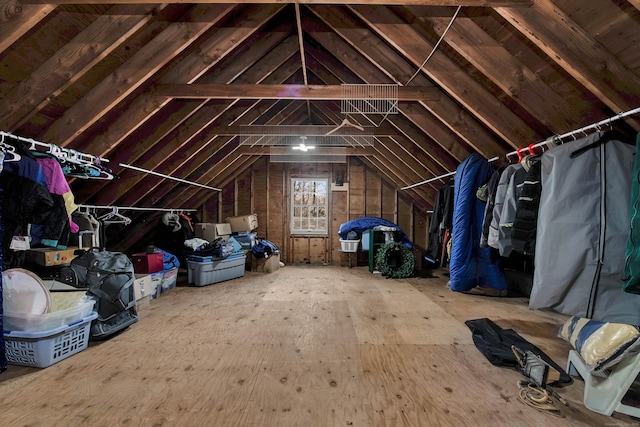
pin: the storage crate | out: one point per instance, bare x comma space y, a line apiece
42, 349
349, 245
25, 322
169, 280
214, 271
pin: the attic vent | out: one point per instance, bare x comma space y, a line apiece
369, 99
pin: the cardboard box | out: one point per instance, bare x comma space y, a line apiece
50, 256
243, 223
210, 231
144, 263
144, 286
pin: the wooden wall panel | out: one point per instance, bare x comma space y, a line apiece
228, 201
405, 216
356, 189
366, 194
420, 236
299, 250
338, 215
209, 212
373, 184
317, 250
259, 195
277, 210
389, 203
243, 193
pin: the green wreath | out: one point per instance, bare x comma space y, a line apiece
395, 260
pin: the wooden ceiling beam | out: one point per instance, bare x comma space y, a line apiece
472, 3
579, 54
266, 150
261, 91
507, 72
17, 19
133, 73
69, 64
309, 130
191, 144
173, 132
203, 152
363, 43
211, 52
448, 75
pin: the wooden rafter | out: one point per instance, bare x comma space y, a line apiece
69, 64
262, 91
449, 75
475, 3
565, 42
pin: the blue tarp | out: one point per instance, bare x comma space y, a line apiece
367, 222
470, 265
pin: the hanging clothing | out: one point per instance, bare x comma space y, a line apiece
632, 253
56, 229
582, 228
493, 237
508, 212
3, 353
523, 235
492, 187
26, 201
470, 265
441, 221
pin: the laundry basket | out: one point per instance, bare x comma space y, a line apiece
42, 349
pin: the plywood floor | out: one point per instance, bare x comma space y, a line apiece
303, 346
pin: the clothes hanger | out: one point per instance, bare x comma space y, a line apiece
10, 150
345, 122
114, 217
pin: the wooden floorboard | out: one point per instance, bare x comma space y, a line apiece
303, 346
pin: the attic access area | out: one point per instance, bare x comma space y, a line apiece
298, 210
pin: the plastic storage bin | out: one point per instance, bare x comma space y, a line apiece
169, 280
45, 322
210, 271
42, 349
349, 245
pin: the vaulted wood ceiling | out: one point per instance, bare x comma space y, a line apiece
165, 86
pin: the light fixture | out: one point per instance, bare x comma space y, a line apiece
303, 146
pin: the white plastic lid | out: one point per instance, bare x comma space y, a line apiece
24, 292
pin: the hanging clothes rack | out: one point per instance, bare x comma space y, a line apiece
134, 208
529, 148
440, 177
184, 181
65, 154
597, 125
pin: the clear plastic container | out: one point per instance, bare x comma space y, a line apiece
44, 322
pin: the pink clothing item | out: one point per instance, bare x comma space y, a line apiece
56, 181
73, 226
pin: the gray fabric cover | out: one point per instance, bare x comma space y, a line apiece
576, 231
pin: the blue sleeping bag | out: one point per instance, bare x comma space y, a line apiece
470, 265
367, 222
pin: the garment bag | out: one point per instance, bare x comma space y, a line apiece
583, 221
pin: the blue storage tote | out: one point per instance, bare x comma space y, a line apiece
210, 271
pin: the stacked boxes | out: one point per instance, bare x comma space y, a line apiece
243, 223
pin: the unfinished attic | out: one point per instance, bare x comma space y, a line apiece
318, 213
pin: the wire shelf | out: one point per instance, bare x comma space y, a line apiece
369, 99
